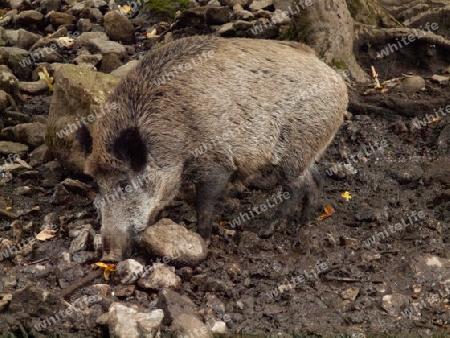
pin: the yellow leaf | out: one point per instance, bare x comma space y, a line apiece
46, 77
46, 234
346, 195
125, 9
223, 223
434, 120
328, 211
108, 269
8, 208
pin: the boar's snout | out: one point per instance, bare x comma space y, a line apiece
114, 243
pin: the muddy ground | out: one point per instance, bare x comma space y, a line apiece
357, 288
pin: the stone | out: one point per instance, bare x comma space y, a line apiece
411, 84
46, 54
110, 62
129, 271
180, 245
128, 322
6, 100
26, 39
124, 69
394, 303
261, 4
442, 80
18, 62
186, 325
174, 305
160, 276
60, 18
77, 93
33, 20
83, 240
217, 15
50, 5
33, 88
84, 25
32, 134
98, 42
9, 83
119, 28
7, 147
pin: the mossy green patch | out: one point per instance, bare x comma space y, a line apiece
166, 8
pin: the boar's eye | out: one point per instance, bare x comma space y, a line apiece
130, 147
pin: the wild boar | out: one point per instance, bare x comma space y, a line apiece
206, 110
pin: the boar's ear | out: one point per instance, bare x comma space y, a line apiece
85, 140
130, 147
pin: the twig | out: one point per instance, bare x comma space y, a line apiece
79, 283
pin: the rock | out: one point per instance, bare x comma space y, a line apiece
124, 290
87, 60
394, 303
7, 147
33, 20
124, 69
186, 325
93, 14
26, 39
3, 37
84, 25
281, 17
128, 322
180, 245
237, 2
219, 326
175, 305
282, 5
50, 5
60, 195
76, 187
6, 100
411, 84
83, 239
17, 62
9, 83
408, 174
160, 276
77, 92
60, 18
39, 156
119, 28
12, 37
17, 4
262, 30
242, 14
36, 300
442, 80
46, 54
350, 293
129, 271
261, 4
217, 15
438, 171
430, 268
227, 29
33, 88
32, 134
110, 62
98, 42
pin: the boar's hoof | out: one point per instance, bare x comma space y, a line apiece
274, 224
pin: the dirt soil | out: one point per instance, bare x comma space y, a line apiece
345, 284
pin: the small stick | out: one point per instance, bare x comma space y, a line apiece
78, 284
8, 214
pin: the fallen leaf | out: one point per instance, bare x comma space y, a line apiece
66, 41
125, 9
46, 77
45, 235
108, 269
434, 120
23, 163
328, 211
8, 208
152, 34
223, 223
346, 195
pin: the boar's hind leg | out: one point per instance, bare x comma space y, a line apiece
209, 188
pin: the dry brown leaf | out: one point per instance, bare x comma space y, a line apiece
328, 211
45, 235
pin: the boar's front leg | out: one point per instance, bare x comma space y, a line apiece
209, 187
